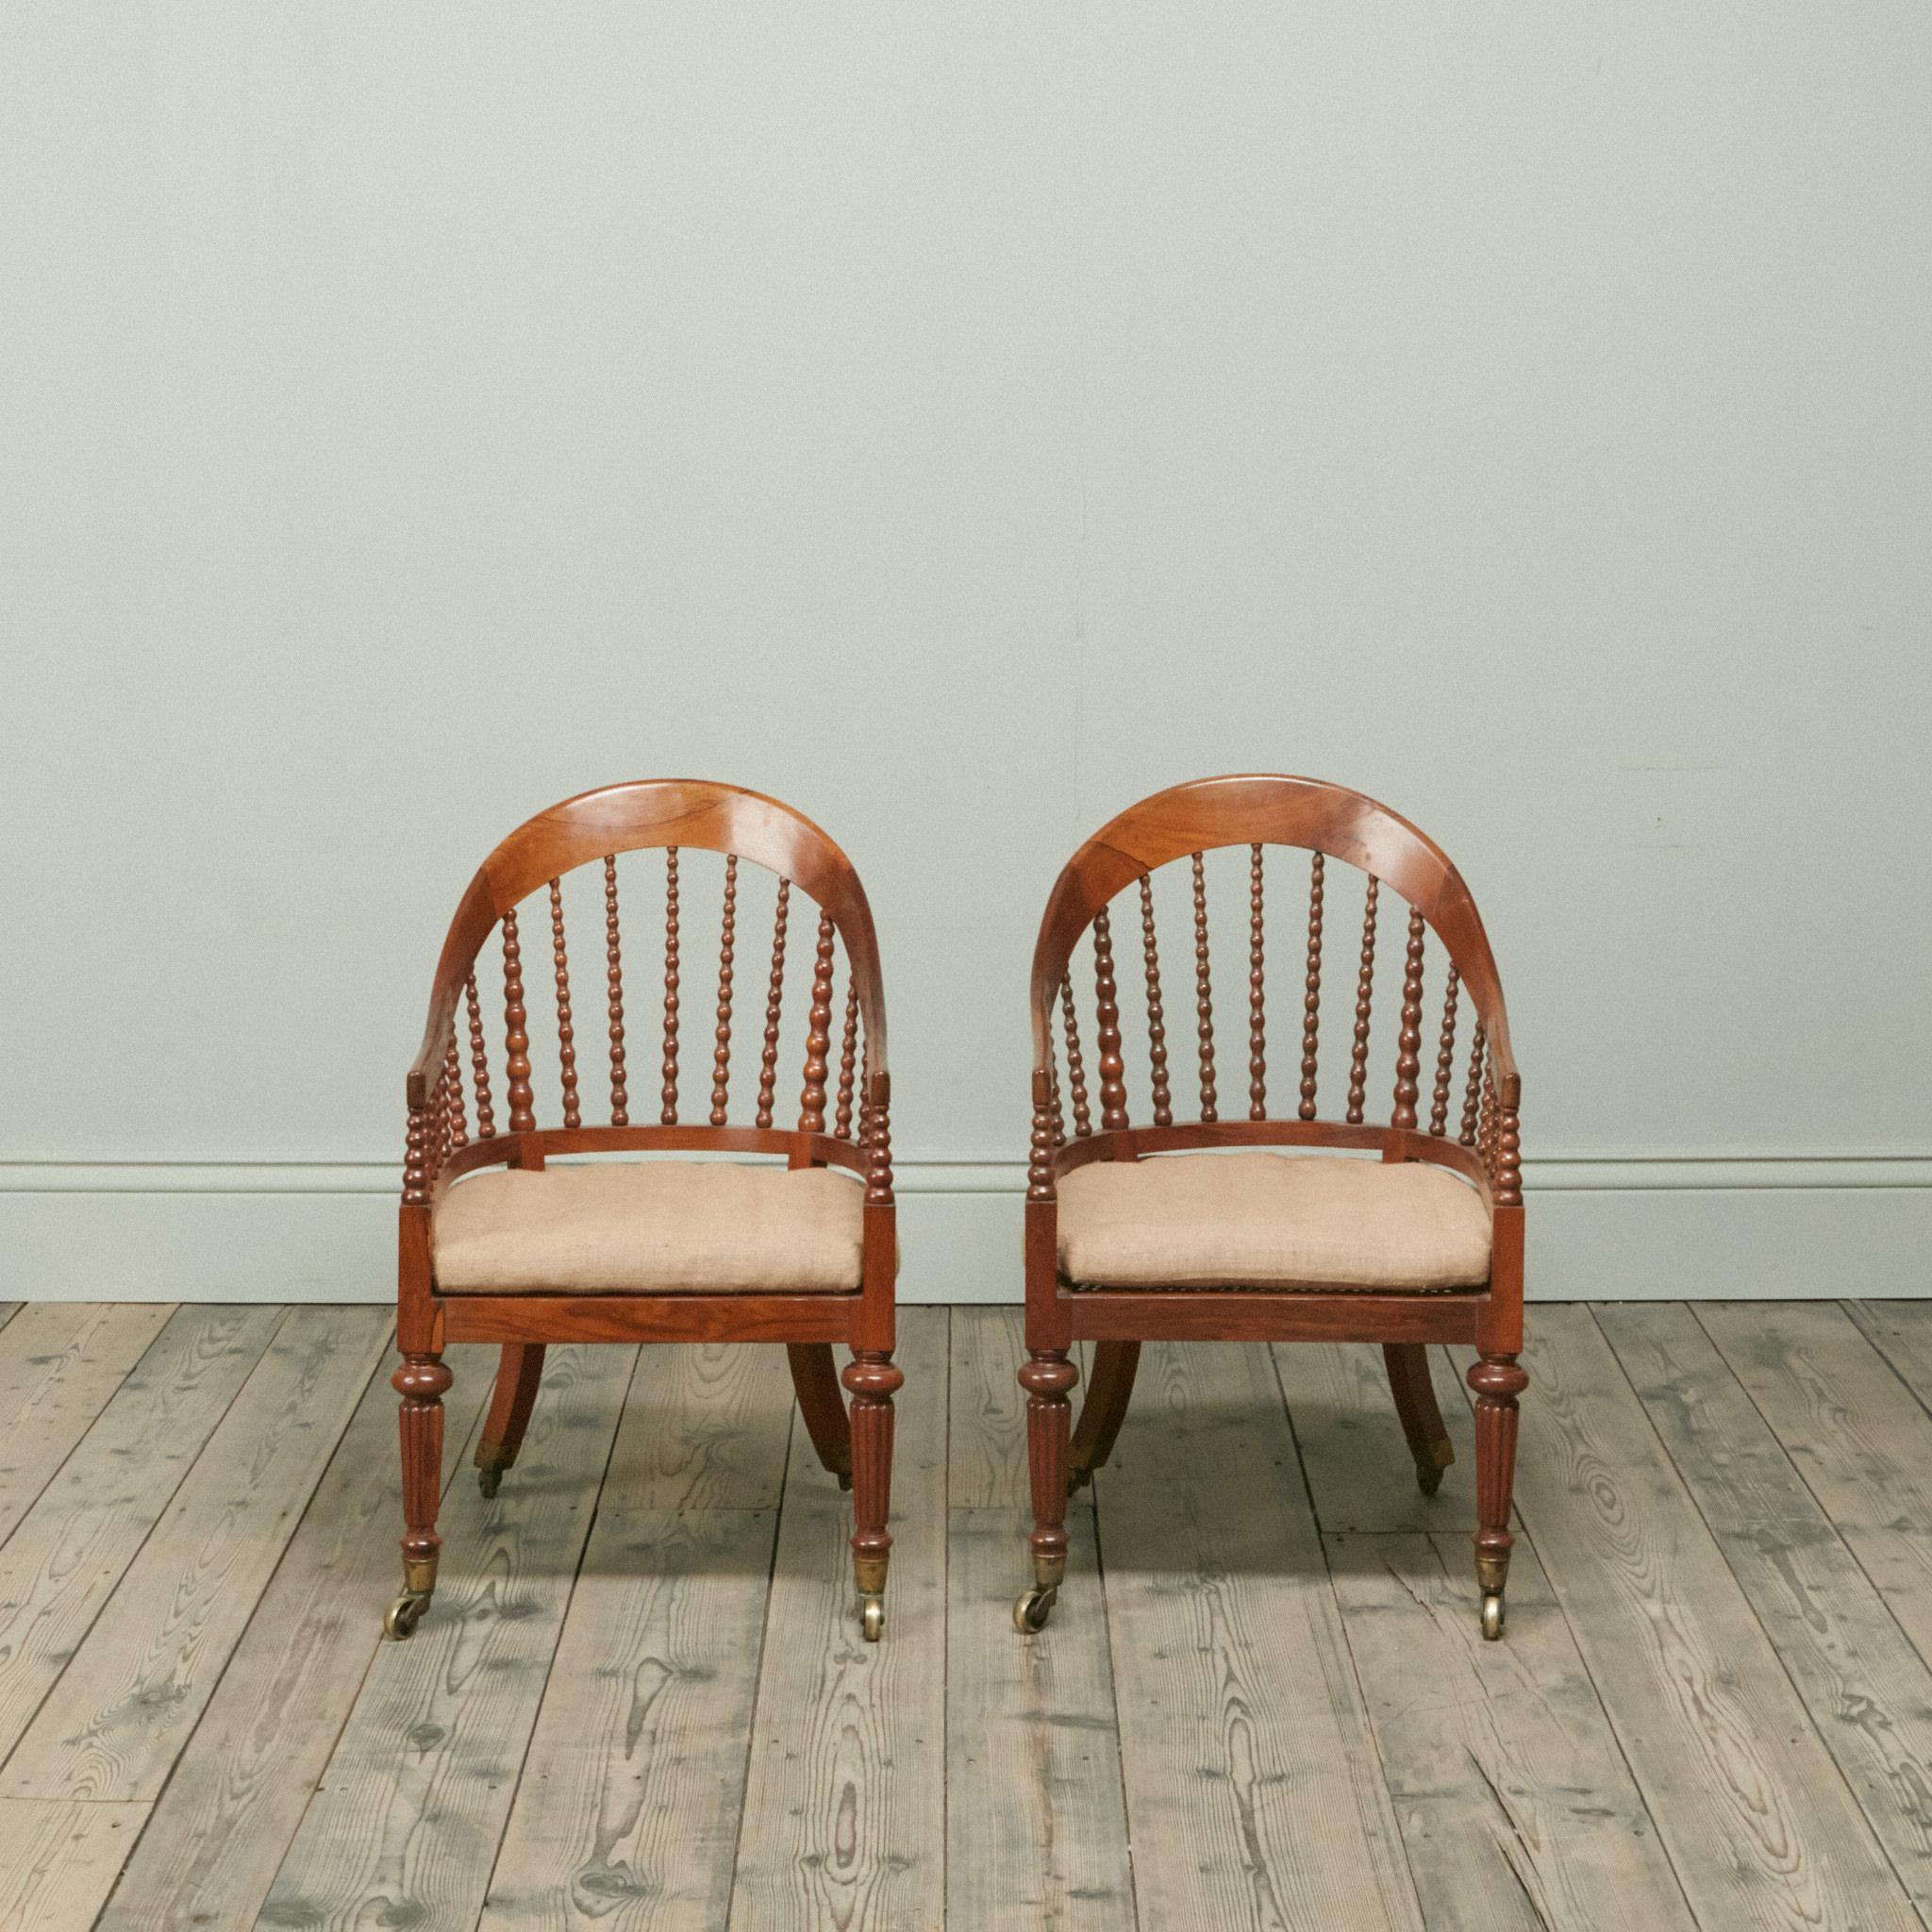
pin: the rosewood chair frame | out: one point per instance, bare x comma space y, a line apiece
667, 814
1331, 822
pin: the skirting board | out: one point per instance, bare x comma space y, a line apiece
1603, 1229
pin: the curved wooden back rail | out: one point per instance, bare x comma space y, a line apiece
1329, 822
679, 818
1410, 891
595, 829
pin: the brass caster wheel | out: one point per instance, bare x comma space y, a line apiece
1078, 1481
1492, 1615
1428, 1478
1033, 1608
872, 1619
400, 1620
490, 1480
844, 1479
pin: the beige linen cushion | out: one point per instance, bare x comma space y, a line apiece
1271, 1220
650, 1227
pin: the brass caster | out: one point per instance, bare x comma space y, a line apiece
1492, 1615
1033, 1608
844, 1479
872, 1619
400, 1620
1428, 1478
1077, 1480
490, 1480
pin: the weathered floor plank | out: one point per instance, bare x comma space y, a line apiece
211, 1848
57, 1858
1901, 1333
1514, 1800
705, 1428
1867, 1690
626, 1815
1758, 1824
844, 1815
74, 1545
1858, 1435
405, 1829
986, 1442
1361, 1473
1035, 1817
121, 1715
1255, 1796
59, 1364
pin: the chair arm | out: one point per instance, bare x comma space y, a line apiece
426, 1069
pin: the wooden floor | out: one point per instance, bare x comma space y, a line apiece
641, 1701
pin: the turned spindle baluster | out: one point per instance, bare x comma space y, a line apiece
1409, 1043
416, 1158
439, 1122
1508, 1170
1040, 1146
1364, 997
1076, 1070
619, 1098
1445, 1059
818, 1039
566, 1037
774, 1006
1257, 1024
459, 1127
848, 1056
1203, 996
516, 1044
480, 1063
667, 1113
1471, 1098
1157, 1025
721, 1057
1113, 1090
1486, 1121
1311, 999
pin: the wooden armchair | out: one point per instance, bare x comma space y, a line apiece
499, 1245
1421, 1246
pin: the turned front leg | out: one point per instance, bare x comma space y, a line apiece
421, 1381
1046, 1375
872, 1379
1497, 1380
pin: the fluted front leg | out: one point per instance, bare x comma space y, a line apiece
871, 1380
1497, 1381
421, 1382
1047, 1376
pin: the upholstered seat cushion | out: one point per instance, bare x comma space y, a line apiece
644, 1228
1277, 1221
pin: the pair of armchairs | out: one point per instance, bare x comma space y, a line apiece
1177, 1228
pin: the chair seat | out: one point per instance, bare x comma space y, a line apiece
1271, 1220
651, 1227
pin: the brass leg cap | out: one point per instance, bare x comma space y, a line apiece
1033, 1608
873, 1618
490, 1480
401, 1618
1493, 1616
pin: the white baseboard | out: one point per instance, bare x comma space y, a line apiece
1619, 1227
